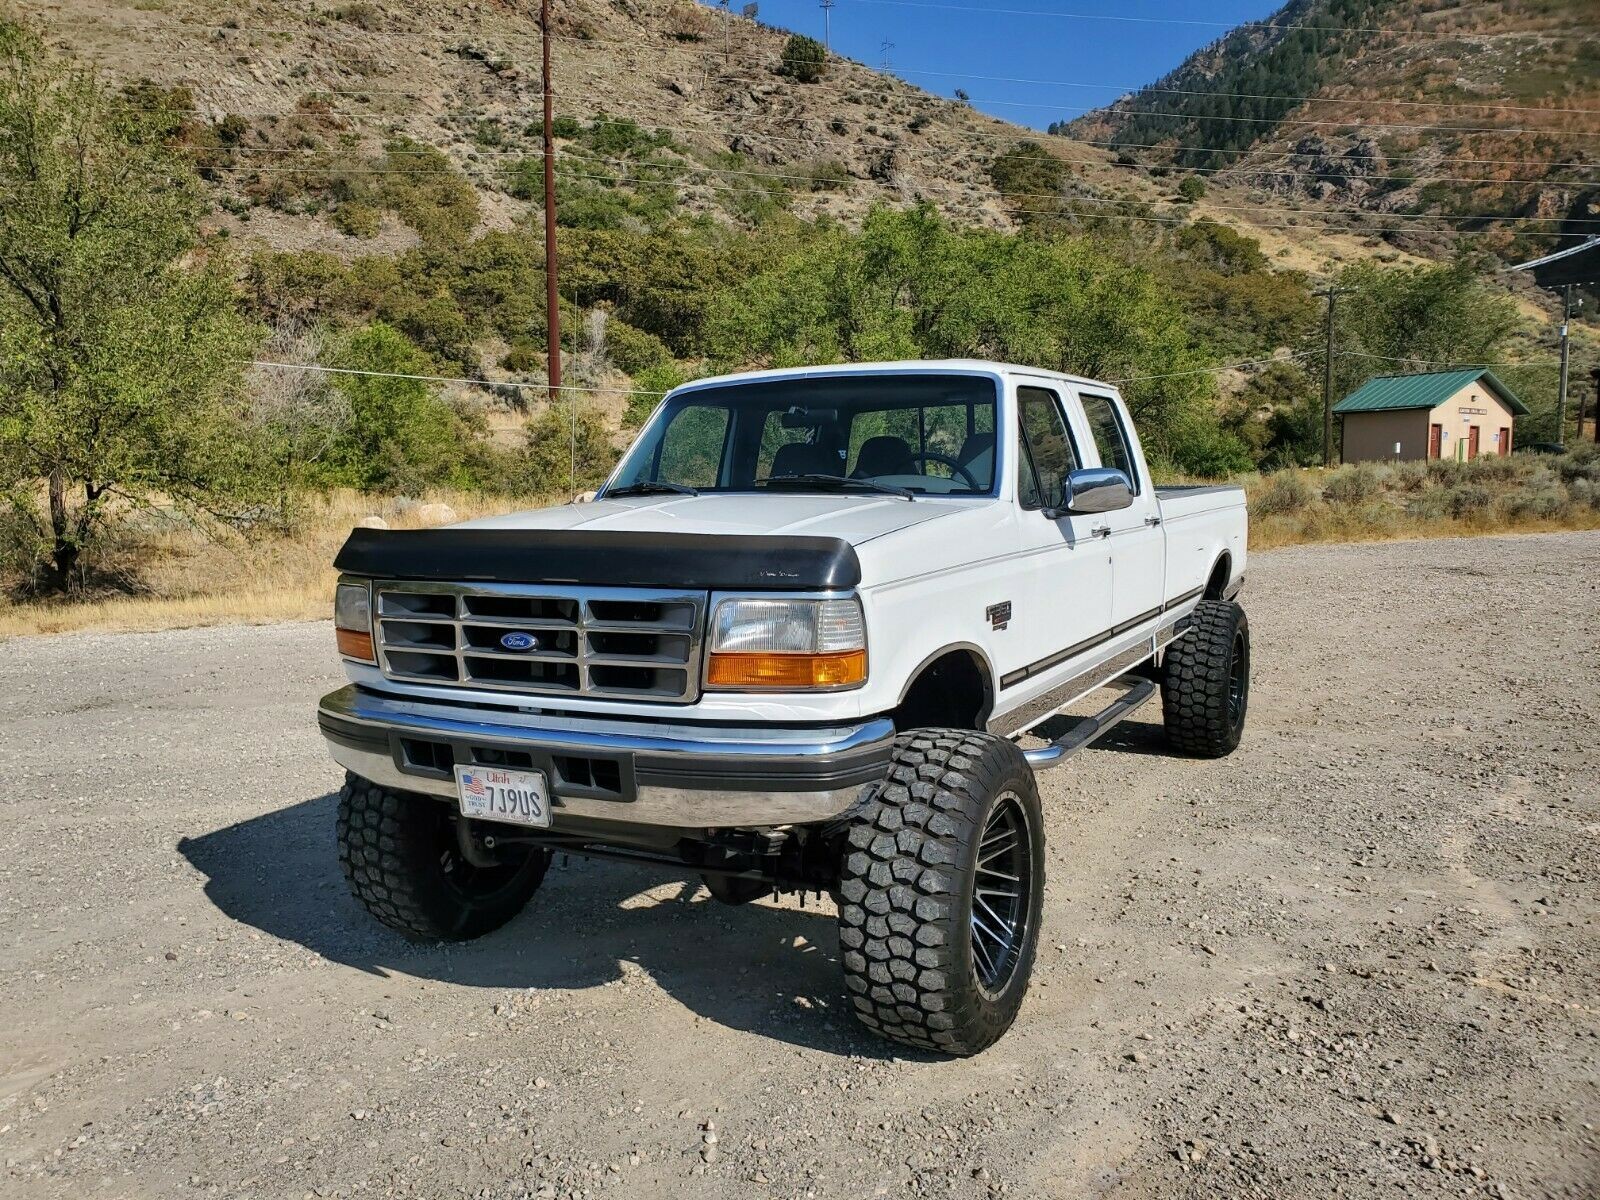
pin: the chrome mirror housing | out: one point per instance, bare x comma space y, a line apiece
1096, 490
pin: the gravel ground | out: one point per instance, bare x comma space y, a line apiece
1359, 956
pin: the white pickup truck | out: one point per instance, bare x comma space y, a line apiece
797, 643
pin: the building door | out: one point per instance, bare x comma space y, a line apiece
1472, 443
1505, 440
1435, 438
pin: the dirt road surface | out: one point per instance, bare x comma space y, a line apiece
1359, 957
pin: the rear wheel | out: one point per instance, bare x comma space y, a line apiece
941, 890
403, 860
1205, 681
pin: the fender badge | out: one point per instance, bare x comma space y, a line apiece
999, 614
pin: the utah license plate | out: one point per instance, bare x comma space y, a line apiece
495, 794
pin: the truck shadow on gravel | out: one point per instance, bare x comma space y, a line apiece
765, 970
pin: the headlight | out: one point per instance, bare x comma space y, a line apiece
352, 620
787, 644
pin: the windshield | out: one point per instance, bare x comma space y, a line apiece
924, 434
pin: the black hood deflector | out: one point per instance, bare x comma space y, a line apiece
610, 558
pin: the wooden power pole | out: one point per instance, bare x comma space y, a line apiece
552, 296
1332, 293
1566, 352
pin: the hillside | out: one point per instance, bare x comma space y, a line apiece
1416, 109
298, 106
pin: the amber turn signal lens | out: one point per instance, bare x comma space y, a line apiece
787, 670
355, 644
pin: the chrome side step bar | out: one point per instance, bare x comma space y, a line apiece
1089, 729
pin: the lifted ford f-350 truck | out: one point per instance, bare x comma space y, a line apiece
792, 645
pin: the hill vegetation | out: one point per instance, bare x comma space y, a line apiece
386, 259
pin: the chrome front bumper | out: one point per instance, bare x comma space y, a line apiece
634, 772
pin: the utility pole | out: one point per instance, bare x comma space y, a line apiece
1566, 350
1594, 374
827, 25
888, 63
552, 295
1332, 293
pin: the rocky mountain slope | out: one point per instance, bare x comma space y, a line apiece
308, 114
1414, 108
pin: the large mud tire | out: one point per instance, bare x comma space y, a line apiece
1205, 681
921, 880
403, 862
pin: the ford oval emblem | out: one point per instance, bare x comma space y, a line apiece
517, 640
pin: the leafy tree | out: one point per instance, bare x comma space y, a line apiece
1192, 188
804, 58
1406, 319
401, 436
119, 337
911, 286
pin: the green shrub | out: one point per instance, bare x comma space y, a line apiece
361, 14
550, 458
358, 220
1466, 500
652, 384
523, 357
1409, 476
804, 58
1283, 492
633, 350
1429, 506
1352, 485
1027, 174
1535, 504
829, 175
1192, 188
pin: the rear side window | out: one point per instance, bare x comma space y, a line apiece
1105, 426
1047, 457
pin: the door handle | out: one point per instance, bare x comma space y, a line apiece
1103, 531
1152, 520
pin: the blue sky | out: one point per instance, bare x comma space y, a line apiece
971, 37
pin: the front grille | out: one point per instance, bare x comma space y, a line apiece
620, 643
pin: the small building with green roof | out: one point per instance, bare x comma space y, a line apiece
1435, 414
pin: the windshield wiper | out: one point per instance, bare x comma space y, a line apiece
653, 487
838, 481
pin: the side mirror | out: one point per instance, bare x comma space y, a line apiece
1095, 490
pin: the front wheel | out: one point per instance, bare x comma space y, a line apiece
941, 890
1205, 681
403, 861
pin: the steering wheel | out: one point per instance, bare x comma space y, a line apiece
955, 467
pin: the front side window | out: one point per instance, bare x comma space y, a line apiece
1048, 457
929, 435
1105, 426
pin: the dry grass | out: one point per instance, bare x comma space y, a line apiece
1405, 501
188, 579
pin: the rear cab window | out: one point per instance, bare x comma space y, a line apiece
1111, 439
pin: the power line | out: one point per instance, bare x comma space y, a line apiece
1135, 112
1143, 89
1230, 25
